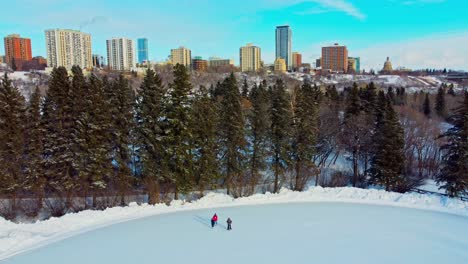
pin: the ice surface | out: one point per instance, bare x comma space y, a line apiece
184, 230
285, 233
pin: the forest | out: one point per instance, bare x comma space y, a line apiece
90, 142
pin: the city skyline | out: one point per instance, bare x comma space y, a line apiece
414, 34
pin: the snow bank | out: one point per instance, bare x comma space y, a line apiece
17, 238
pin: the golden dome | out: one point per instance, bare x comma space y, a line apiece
387, 66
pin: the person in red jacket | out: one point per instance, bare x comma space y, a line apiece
214, 220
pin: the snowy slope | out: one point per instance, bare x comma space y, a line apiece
17, 238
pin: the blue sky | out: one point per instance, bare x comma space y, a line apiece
413, 33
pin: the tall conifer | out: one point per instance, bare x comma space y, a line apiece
232, 134
12, 113
305, 133
281, 131
150, 113
388, 162
440, 108
58, 144
453, 176
178, 134
205, 144
34, 147
259, 131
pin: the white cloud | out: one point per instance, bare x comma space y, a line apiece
339, 5
313, 11
435, 51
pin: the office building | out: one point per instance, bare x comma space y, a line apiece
142, 44
67, 48
216, 62
199, 64
351, 65
280, 65
250, 58
354, 64
17, 51
284, 45
98, 61
120, 54
335, 58
36, 63
318, 63
296, 60
358, 64
181, 56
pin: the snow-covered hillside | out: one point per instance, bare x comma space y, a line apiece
301, 226
26, 82
413, 84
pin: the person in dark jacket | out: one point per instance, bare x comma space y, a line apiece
229, 222
214, 220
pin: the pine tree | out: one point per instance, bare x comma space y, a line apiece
219, 91
12, 113
388, 161
95, 139
150, 113
205, 142
353, 130
305, 133
453, 176
369, 98
232, 134
400, 96
332, 93
178, 135
440, 108
120, 103
427, 106
281, 132
353, 107
58, 152
380, 109
259, 127
34, 147
379, 119
451, 91
391, 95
77, 97
245, 89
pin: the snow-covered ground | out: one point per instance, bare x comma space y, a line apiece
431, 186
302, 226
411, 83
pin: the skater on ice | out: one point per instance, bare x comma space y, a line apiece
229, 221
214, 220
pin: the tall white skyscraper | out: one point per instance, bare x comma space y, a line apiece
120, 54
250, 58
284, 44
67, 47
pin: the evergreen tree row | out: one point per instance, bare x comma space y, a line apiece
94, 137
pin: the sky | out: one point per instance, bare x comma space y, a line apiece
413, 33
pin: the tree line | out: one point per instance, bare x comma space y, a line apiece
94, 137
